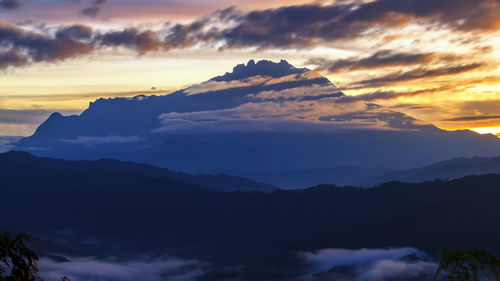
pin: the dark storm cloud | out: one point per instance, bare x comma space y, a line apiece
200, 30
141, 41
28, 46
9, 4
91, 11
94, 9
474, 118
12, 58
178, 35
381, 59
419, 73
294, 26
77, 40
299, 26
185, 35
457, 14
306, 25
74, 32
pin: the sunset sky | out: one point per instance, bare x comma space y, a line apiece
435, 60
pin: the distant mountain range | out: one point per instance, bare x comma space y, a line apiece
258, 181
296, 179
262, 116
109, 172
121, 210
445, 170
5, 142
370, 177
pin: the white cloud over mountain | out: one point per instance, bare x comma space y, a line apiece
369, 264
307, 103
257, 110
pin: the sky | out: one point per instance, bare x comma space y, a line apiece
435, 60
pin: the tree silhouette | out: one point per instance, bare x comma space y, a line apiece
17, 261
467, 266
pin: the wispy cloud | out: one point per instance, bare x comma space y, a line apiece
309, 77
26, 46
473, 118
81, 269
315, 115
94, 8
380, 59
9, 4
299, 26
389, 95
328, 264
419, 73
369, 264
93, 140
307, 25
12, 58
386, 51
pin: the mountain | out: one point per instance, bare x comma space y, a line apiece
5, 142
262, 116
450, 169
370, 177
294, 179
81, 210
109, 171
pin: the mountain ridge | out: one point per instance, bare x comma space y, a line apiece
372, 177
443, 170
79, 214
131, 169
242, 118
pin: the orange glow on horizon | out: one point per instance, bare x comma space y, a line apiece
487, 130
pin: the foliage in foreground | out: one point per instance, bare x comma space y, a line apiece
17, 260
19, 263
467, 266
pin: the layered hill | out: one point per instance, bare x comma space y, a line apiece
104, 172
82, 210
340, 176
445, 170
262, 116
370, 177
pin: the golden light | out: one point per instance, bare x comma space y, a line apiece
487, 130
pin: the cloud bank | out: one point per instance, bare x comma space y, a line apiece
92, 140
369, 265
405, 264
84, 269
309, 104
300, 26
94, 8
9, 4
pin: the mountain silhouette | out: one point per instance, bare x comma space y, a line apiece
261, 117
445, 170
109, 171
114, 209
370, 177
296, 179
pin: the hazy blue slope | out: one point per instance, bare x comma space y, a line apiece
262, 116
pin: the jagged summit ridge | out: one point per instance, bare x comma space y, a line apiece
262, 115
255, 82
262, 67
